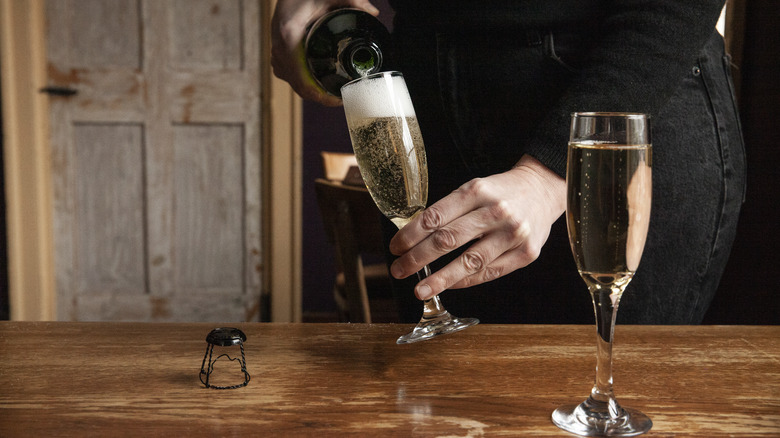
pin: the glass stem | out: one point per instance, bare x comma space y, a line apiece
432, 307
605, 304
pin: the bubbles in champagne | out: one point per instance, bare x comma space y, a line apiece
391, 157
387, 143
608, 206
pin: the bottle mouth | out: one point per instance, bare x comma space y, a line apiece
365, 58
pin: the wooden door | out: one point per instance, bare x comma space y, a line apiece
155, 158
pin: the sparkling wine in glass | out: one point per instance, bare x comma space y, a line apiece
609, 185
390, 153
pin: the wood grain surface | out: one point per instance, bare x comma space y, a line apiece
141, 379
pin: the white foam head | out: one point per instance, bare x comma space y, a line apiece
381, 95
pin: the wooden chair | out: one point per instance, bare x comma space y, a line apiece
335, 165
362, 291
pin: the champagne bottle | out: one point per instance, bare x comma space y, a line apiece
343, 45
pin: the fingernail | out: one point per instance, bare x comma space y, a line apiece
423, 292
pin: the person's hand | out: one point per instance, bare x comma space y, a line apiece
508, 214
288, 28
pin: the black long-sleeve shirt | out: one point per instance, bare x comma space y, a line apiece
638, 51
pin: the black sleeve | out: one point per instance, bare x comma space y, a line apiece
644, 48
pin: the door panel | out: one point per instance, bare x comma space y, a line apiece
206, 35
156, 158
109, 199
209, 188
103, 33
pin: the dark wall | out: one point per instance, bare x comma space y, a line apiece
325, 129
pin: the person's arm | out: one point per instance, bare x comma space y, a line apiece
288, 28
645, 48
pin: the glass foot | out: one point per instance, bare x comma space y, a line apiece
438, 325
592, 418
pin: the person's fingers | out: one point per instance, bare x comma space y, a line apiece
439, 234
507, 217
440, 242
458, 203
507, 262
509, 246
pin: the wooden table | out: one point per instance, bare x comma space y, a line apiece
139, 379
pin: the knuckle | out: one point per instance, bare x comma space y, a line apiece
532, 252
473, 187
473, 261
406, 265
444, 240
440, 282
288, 29
432, 218
500, 210
520, 231
401, 243
492, 272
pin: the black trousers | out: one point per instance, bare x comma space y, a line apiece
477, 99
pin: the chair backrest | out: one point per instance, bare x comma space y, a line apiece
352, 222
336, 164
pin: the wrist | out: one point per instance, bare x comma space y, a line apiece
551, 185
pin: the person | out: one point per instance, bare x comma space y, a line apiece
494, 85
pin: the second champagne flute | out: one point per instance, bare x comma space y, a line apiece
608, 197
390, 153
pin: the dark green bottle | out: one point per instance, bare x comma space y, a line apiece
343, 45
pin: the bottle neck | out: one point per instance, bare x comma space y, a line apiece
361, 58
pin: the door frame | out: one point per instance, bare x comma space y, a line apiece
28, 185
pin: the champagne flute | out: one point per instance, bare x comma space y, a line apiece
390, 153
609, 181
